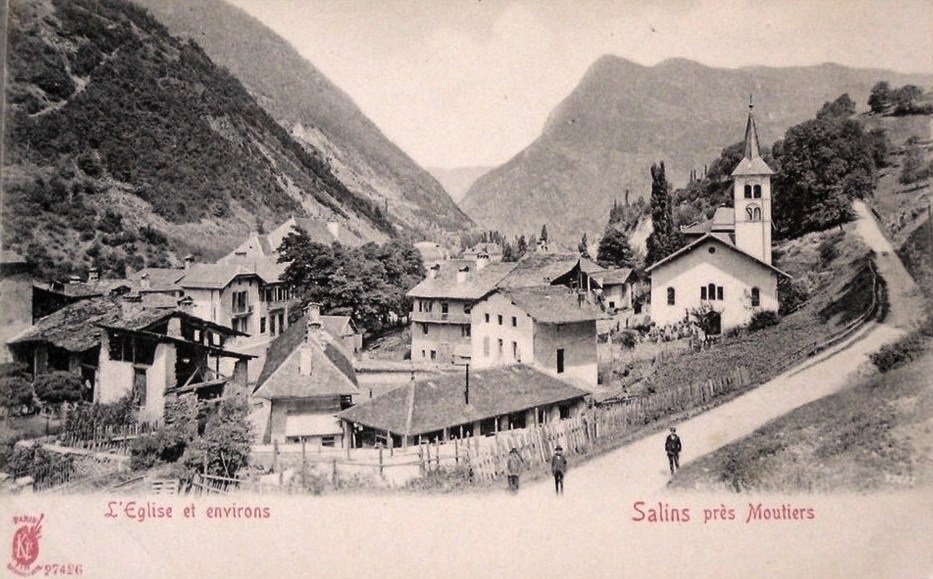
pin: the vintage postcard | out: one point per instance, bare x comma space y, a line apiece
357, 288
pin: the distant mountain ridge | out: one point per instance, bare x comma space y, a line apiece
622, 116
458, 180
316, 112
127, 147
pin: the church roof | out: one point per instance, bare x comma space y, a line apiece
752, 163
722, 239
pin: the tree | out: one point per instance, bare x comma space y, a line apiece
664, 238
584, 246
823, 164
224, 448
842, 107
508, 252
880, 96
543, 237
614, 249
522, 246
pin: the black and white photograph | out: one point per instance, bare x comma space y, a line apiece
461, 288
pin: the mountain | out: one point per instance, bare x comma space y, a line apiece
316, 112
622, 117
457, 181
126, 146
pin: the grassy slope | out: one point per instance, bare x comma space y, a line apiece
873, 436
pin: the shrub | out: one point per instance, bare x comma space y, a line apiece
57, 387
828, 250
791, 296
163, 446
762, 320
627, 338
224, 448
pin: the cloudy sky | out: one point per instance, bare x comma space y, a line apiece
462, 83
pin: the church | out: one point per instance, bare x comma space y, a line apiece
726, 269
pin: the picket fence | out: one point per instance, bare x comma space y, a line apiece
116, 439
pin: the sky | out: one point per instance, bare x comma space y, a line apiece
471, 82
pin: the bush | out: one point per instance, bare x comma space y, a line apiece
224, 448
828, 250
57, 387
163, 446
762, 320
627, 338
86, 417
791, 296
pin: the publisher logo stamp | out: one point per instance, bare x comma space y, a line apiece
25, 547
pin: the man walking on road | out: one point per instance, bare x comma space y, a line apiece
672, 447
558, 468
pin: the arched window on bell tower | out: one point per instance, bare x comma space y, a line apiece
757, 194
748, 191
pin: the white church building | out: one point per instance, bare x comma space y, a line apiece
728, 269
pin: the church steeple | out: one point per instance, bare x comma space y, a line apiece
752, 196
752, 149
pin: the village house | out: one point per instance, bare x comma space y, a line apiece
727, 270
344, 330
453, 406
15, 299
248, 297
550, 327
266, 245
306, 380
432, 253
118, 346
442, 302
492, 251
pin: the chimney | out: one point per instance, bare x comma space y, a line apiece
144, 281
93, 274
432, 271
481, 260
334, 228
189, 259
462, 274
313, 339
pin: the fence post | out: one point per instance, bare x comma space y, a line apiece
437, 455
381, 472
303, 454
457, 450
334, 474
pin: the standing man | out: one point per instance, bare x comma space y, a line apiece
558, 468
513, 468
672, 447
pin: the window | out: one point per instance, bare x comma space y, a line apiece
424, 354
499, 348
703, 292
328, 441
271, 325
500, 319
486, 317
464, 331
239, 325
560, 360
420, 305
445, 307
486, 346
515, 351
514, 321
753, 213
711, 291
424, 329
467, 309
670, 296
748, 191
281, 321
434, 354
240, 302
719, 293
756, 297
757, 194
262, 325
428, 305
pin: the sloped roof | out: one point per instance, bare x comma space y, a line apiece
590, 267
76, 327
9, 257
219, 275
723, 221
332, 372
553, 305
335, 325
613, 276
537, 269
160, 278
478, 282
430, 405
723, 240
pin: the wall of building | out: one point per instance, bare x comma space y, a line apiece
15, 309
114, 379
443, 339
159, 376
578, 342
521, 334
281, 409
735, 273
618, 296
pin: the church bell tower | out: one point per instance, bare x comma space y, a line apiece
752, 197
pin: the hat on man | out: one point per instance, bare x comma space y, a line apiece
558, 449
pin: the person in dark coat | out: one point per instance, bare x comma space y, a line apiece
672, 446
513, 465
558, 468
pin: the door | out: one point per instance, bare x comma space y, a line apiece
560, 360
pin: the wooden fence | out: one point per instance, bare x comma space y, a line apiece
601, 425
106, 438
